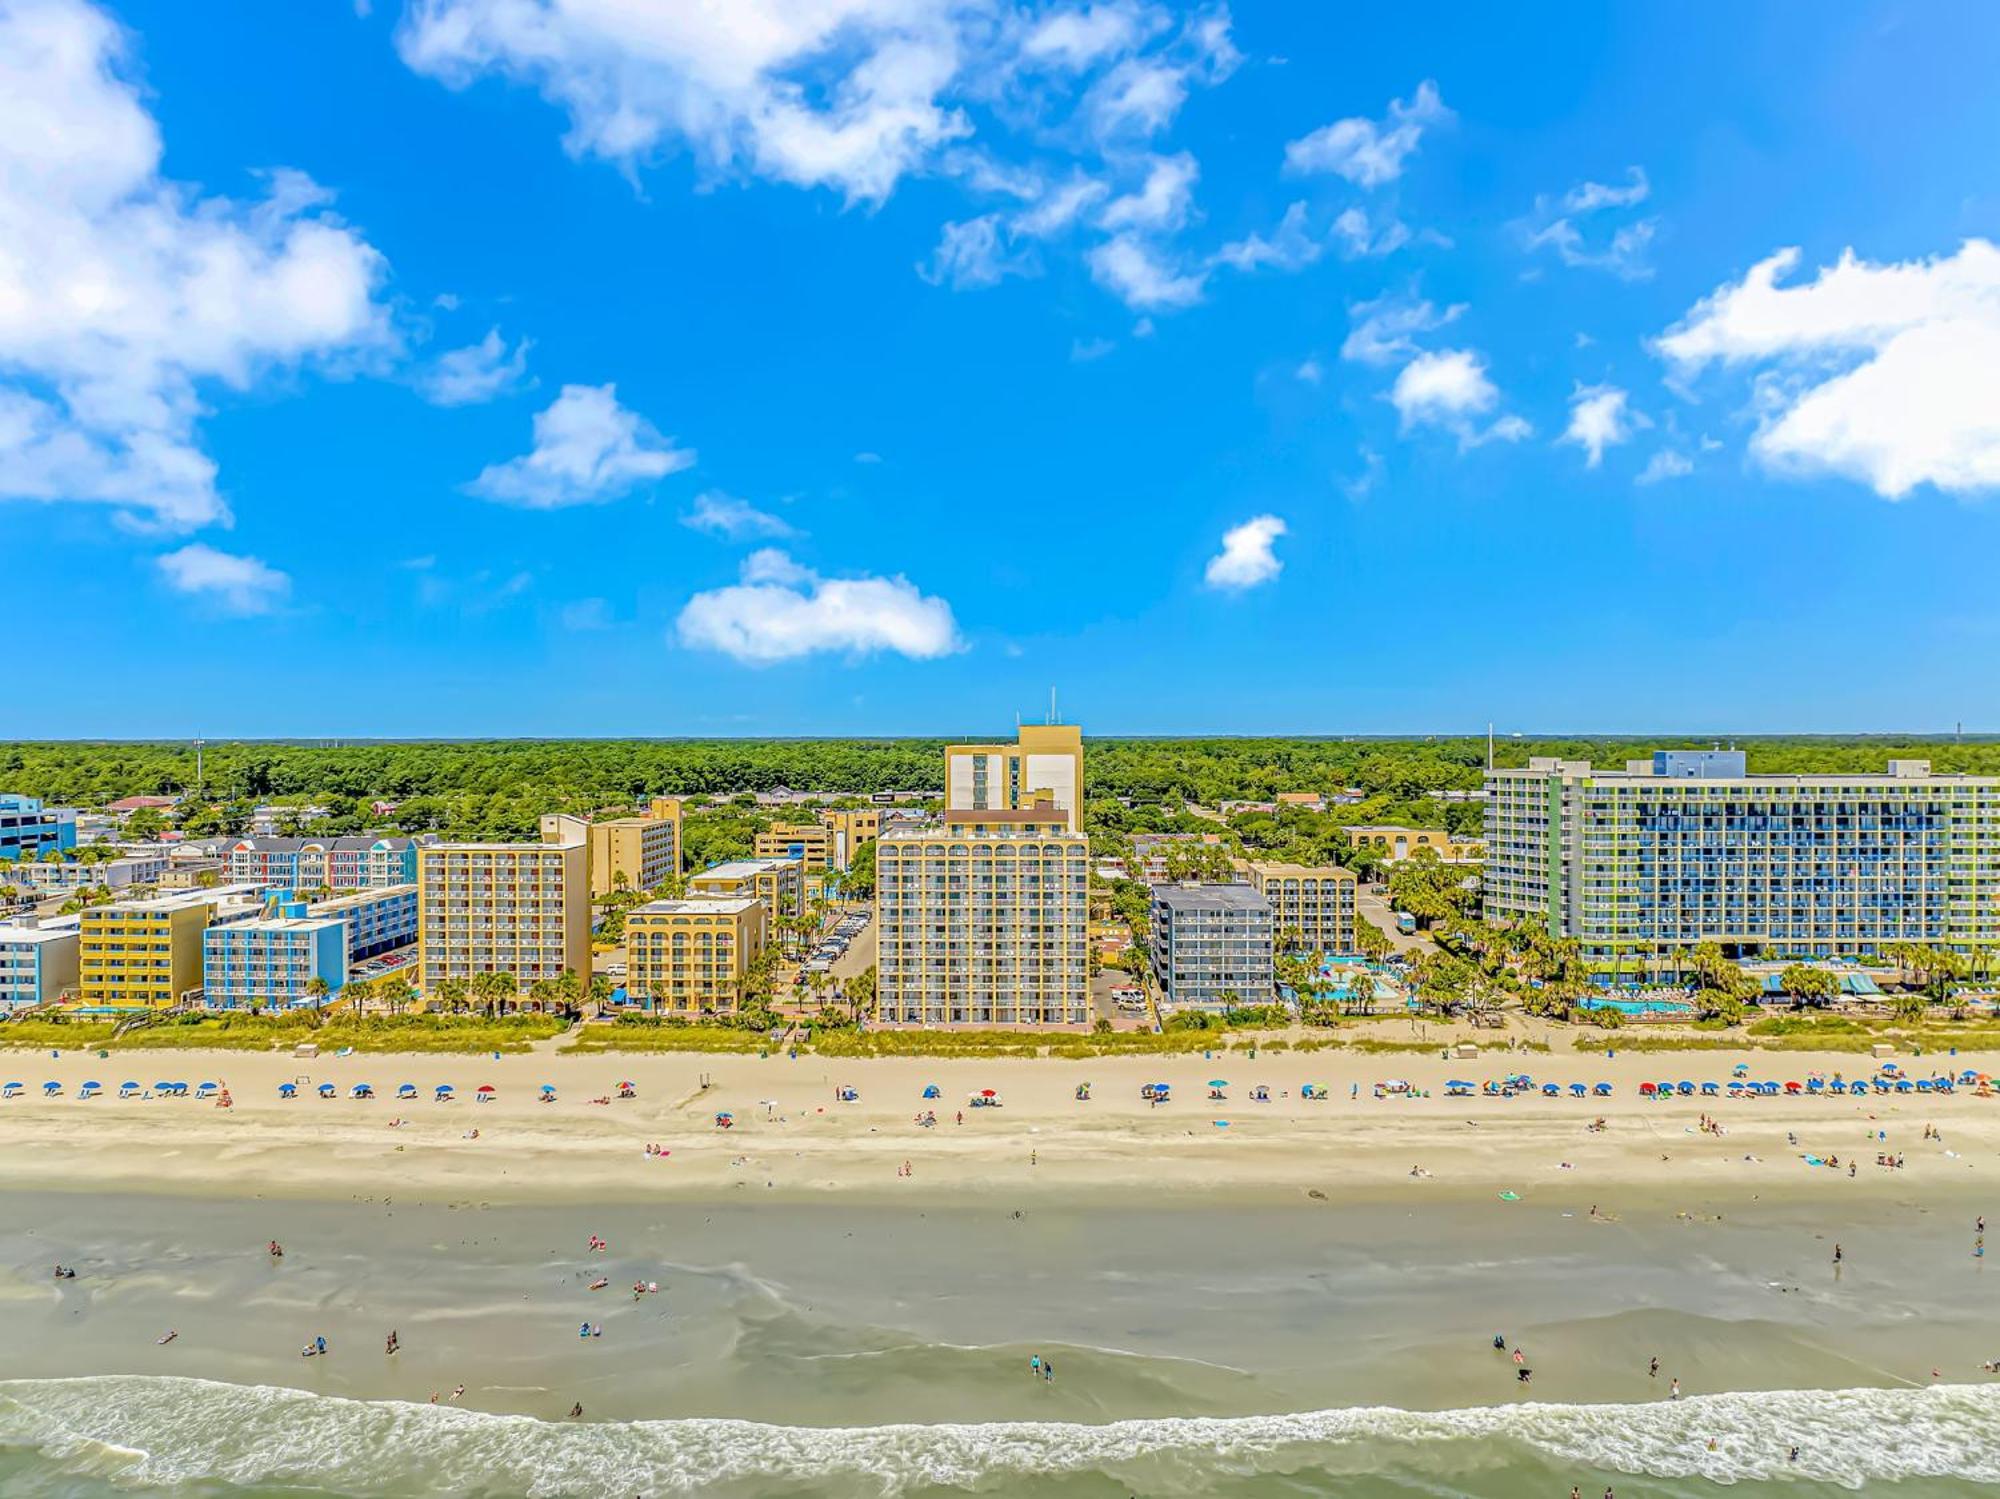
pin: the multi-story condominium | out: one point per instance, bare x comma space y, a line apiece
779, 883
1212, 945
378, 920
984, 920
1314, 901
810, 843
1006, 777
71, 876
142, 954
850, 829
1689, 847
28, 829
356, 863
37, 965
272, 961
193, 874
516, 908
690, 956
626, 853
1396, 844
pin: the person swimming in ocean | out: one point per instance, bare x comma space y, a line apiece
167, 1337
391, 1345
1499, 1342
576, 1411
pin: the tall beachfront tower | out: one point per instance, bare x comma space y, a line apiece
1644, 862
517, 908
1048, 758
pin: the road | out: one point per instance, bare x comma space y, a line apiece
1371, 903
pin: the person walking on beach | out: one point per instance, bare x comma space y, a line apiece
1048, 1371
391, 1345
1674, 1392
1034, 1365
1653, 1367
1836, 1254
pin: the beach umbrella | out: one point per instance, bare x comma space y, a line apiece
163, 1087
989, 1093
128, 1087
52, 1087
1218, 1082
487, 1088
288, 1090
326, 1090
1578, 1090
206, 1088
407, 1090
1742, 1069
11, 1087
628, 1085
88, 1086
549, 1087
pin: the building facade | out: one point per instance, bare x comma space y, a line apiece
271, 962
779, 883
1047, 758
357, 863
379, 920
808, 842
634, 853
984, 920
28, 829
1396, 844
1314, 901
38, 965
1212, 946
516, 908
1689, 847
848, 830
70, 876
141, 954
690, 957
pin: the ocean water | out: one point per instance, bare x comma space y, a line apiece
845, 1350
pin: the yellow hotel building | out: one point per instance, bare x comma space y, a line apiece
690, 956
808, 842
1006, 777
779, 883
141, 954
984, 920
1316, 901
850, 829
518, 908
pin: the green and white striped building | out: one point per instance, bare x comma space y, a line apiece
1689, 847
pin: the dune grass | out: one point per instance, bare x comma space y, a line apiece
448, 1034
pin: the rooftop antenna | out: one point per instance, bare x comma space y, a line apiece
1489, 744
199, 744
1052, 706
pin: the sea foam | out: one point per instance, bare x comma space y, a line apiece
161, 1431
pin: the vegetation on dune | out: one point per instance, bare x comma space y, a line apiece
245, 1032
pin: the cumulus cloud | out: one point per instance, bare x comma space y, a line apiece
588, 449
231, 584
122, 295
725, 515
1600, 417
1246, 558
1667, 463
478, 372
1079, 38
1359, 237
780, 611
1882, 373
1366, 152
1137, 272
1161, 202
1385, 330
1565, 226
1289, 248
1450, 389
1056, 208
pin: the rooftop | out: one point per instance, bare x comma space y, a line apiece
742, 869
1278, 867
716, 905
1210, 897
18, 934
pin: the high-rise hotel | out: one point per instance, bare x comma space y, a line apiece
983, 918
515, 908
1689, 847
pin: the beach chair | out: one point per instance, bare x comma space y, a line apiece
1710, 1090
407, 1090
1602, 1090
128, 1090
10, 1090
1551, 1090
1923, 1085
443, 1094
50, 1090
205, 1090
1836, 1086
1578, 1090
1686, 1090
327, 1090
288, 1090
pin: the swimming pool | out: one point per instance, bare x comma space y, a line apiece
1638, 1006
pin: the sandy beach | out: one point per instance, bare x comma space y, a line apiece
792, 1133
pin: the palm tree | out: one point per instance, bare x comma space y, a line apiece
317, 989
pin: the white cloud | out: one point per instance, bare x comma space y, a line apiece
1385, 330
1666, 464
123, 294
478, 372
1056, 208
780, 611
1359, 238
1309, 372
1553, 226
1364, 152
725, 515
1139, 97
1883, 373
1080, 38
1600, 417
1246, 558
233, 585
1290, 247
866, 457
1450, 389
1135, 271
971, 254
1084, 350
1358, 486
1161, 203
588, 449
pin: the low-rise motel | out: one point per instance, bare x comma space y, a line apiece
688, 957
779, 883
38, 964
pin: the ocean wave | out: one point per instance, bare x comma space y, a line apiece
162, 1431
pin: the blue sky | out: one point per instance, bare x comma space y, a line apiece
872, 366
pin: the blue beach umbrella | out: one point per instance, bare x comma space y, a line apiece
288, 1090
407, 1090
52, 1087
